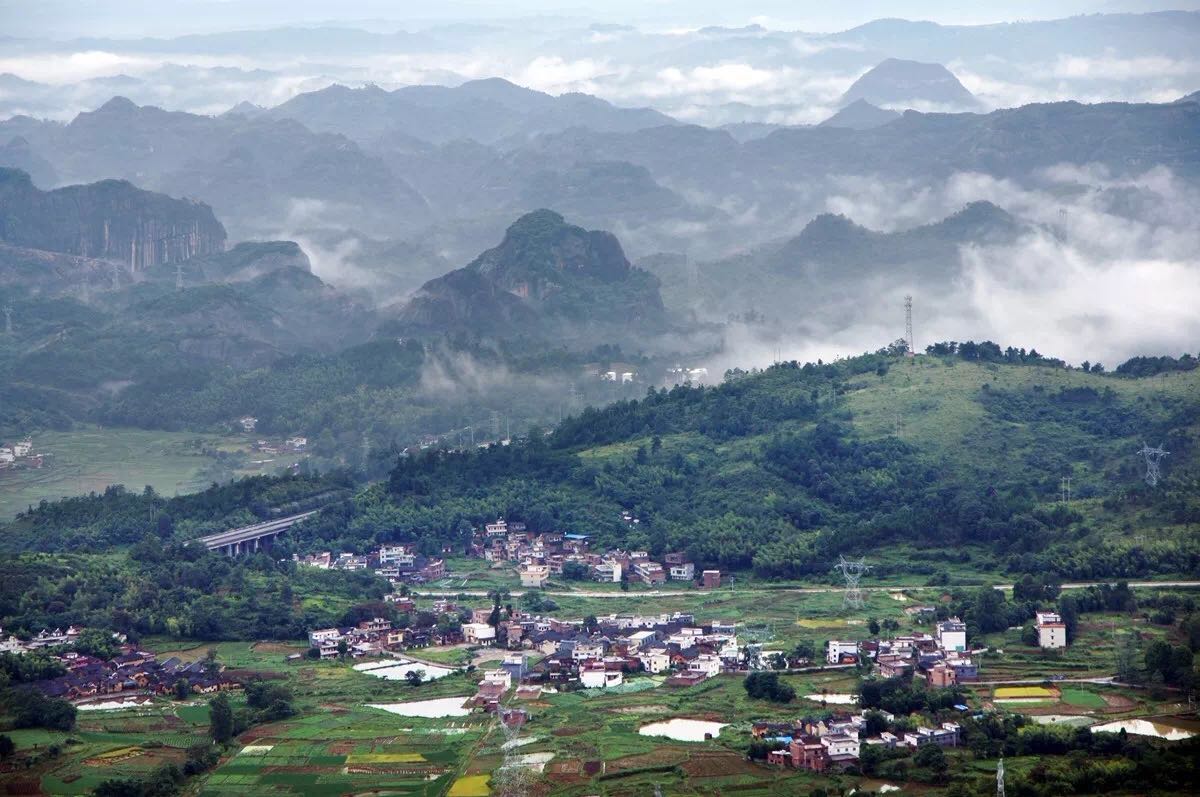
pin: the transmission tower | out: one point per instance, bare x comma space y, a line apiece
179, 276
1153, 456
495, 424
366, 450
1065, 490
853, 572
8, 319
514, 777
116, 276
1000, 778
908, 330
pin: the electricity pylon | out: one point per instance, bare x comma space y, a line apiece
1153, 456
853, 572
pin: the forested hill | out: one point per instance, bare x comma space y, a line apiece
954, 463
941, 466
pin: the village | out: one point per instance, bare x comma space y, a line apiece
539, 655
537, 558
130, 671
20, 455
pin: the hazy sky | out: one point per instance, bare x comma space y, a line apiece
67, 18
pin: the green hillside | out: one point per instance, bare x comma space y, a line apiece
928, 465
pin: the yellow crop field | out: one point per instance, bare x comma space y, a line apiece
384, 758
1043, 692
470, 786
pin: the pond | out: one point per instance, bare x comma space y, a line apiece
398, 669
1162, 730
837, 698
439, 707
1073, 720
114, 705
682, 729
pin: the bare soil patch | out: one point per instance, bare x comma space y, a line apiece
717, 764
658, 757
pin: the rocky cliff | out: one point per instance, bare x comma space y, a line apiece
111, 219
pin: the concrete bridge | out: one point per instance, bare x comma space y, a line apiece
248, 539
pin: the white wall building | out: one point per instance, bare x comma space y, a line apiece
838, 648
952, 634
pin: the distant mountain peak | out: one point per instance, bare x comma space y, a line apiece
898, 82
118, 105
861, 115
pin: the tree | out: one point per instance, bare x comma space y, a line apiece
931, 757
873, 626
96, 642
182, 689
7, 746
767, 686
413, 677
220, 719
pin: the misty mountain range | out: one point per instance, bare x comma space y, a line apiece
355, 214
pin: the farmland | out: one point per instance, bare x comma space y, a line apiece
580, 742
88, 459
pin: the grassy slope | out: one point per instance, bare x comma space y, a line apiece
934, 404
88, 459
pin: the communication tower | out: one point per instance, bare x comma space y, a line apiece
908, 329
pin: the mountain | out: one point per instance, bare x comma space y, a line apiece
255, 172
861, 115
546, 278
489, 111
908, 84
110, 220
833, 248
1193, 97
832, 264
17, 154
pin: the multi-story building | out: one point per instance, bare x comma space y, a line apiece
1051, 631
952, 635
685, 571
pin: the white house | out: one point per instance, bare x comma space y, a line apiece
706, 663
683, 572
597, 677
535, 576
655, 661
838, 744
502, 677
838, 648
1051, 631
952, 634
478, 634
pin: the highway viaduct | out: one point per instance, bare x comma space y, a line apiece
249, 539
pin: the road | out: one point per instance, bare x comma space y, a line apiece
668, 593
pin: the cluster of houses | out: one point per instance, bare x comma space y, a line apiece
942, 658
834, 741
593, 656
542, 556
397, 563
295, 445
131, 670
20, 455
42, 640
